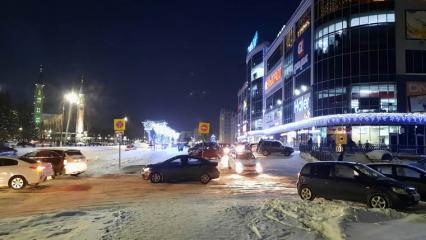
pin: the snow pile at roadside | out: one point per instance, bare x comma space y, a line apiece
278, 219
78, 224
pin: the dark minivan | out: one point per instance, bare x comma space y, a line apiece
182, 168
410, 175
267, 147
354, 182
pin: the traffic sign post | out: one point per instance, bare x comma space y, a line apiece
203, 129
119, 127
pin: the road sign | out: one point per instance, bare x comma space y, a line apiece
203, 128
119, 125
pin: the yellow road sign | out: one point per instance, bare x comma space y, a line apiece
203, 128
119, 125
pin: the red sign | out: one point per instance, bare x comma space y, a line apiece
273, 78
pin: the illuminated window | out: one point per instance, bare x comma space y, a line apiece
372, 19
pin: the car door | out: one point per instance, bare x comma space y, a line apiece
413, 177
174, 169
321, 179
3, 173
348, 184
194, 167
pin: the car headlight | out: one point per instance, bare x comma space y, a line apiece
146, 169
399, 190
238, 167
239, 149
226, 150
259, 168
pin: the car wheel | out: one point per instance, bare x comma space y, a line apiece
378, 201
204, 178
265, 152
155, 178
386, 157
306, 193
17, 182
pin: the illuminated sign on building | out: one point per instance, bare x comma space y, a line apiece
416, 88
302, 107
301, 53
273, 78
273, 118
253, 42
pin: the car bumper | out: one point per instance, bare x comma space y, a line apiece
399, 200
75, 168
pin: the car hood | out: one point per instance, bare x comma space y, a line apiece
391, 182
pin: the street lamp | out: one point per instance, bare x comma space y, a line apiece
71, 98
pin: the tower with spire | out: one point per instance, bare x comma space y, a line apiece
39, 99
80, 112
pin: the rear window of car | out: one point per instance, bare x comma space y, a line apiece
383, 169
322, 170
306, 170
32, 161
73, 153
407, 172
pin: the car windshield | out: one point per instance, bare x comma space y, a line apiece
368, 171
73, 153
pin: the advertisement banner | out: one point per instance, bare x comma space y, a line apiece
415, 88
302, 107
301, 52
415, 24
273, 78
273, 118
418, 104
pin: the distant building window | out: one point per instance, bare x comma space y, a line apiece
275, 57
415, 61
373, 19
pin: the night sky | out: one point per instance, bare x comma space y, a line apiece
179, 61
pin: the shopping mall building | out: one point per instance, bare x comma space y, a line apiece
343, 71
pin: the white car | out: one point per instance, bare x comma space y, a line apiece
379, 155
75, 162
16, 173
245, 163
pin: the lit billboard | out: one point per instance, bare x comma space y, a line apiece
301, 52
302, 107
273, 78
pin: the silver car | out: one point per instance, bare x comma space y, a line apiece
16, 173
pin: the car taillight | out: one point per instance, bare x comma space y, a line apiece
38, 168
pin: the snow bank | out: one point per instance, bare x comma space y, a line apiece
330, 220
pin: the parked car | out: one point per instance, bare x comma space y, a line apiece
245, 163
410, 175
75, 162
420, 164
354, 182
7, 151
130, 147
379, 155
17, 174
267, 147
181, 168
25, 144
47, 156
206, 150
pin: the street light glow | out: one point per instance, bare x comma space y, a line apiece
71, 97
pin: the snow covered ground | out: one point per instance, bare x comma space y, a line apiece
109, 203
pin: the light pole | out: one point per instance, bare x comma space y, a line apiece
72, 98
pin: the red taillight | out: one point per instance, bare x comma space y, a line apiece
37, 168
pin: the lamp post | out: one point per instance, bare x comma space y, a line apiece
71, 98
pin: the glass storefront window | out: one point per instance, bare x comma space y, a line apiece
373, 98
373, 134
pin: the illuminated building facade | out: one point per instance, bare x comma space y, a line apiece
39, 100
352, 62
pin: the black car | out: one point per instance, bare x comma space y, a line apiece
180, 168
354, 182
410, 175
7, 151
267, 147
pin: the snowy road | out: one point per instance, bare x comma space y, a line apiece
106, 203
